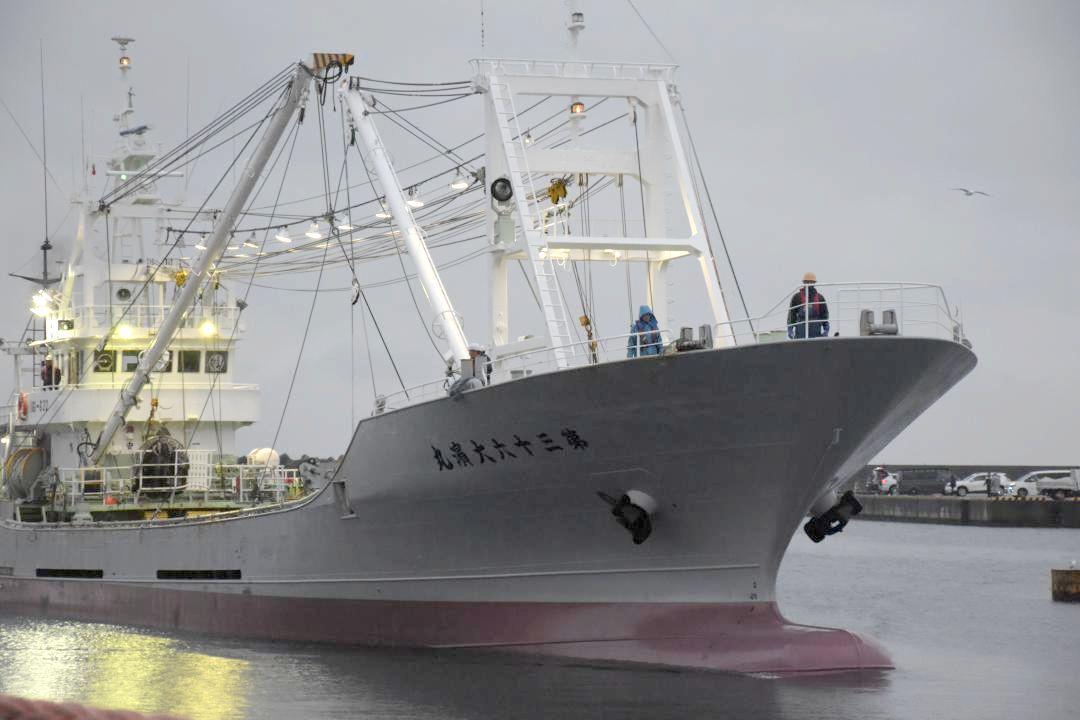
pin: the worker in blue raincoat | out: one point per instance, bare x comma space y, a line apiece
645, 335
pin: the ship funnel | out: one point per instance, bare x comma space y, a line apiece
634, 512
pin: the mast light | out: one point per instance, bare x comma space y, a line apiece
577, 108
313, 232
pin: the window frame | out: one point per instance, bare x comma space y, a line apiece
181, 366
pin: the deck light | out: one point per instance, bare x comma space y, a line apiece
414, 200
459, 182
313, 232
345, 225
249, 244
201, 245
125, 62
208, 328
125, 332
577, 108
383, 214
527, 138
282, 237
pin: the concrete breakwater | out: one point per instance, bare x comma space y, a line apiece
1010, 512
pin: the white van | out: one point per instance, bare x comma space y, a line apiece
1058, 484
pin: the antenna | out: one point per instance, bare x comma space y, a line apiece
44, 158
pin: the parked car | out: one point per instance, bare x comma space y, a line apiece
1058, 484
990, 483
1025, 485
882, 482
923, 481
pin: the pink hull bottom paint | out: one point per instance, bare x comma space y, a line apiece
744, 637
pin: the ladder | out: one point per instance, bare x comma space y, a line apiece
531, 224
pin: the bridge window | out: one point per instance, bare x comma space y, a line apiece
105, 361
190, 361
217, 361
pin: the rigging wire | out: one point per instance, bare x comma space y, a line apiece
440, 155
716, 220
295, 133
426, 105
649, 28
33, 148
171, 159
404, 272
413, 84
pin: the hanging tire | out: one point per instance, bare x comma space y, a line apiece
961, 491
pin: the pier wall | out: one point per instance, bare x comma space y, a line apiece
971, 511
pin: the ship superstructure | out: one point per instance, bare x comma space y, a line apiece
543, 493
89, 330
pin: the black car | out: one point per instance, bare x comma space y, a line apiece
923, 481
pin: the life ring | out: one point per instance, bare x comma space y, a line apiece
23, 406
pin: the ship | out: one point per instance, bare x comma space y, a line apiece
625, 498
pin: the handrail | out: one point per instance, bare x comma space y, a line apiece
194, 477
921, 309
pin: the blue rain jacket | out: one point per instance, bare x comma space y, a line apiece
646, 340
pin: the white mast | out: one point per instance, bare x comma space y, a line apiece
402, 213
216, 245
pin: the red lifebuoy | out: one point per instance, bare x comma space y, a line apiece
23, 406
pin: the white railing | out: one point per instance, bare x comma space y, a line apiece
195, 480
97, 319
920, 310
515, 366
574, 69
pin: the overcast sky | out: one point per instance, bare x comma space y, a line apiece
830, 134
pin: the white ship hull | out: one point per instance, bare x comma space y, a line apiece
520, 552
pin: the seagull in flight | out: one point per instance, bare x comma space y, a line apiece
969, 193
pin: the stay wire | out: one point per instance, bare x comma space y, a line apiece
716, 219
649, 28
164, 162
404, 272
291, 144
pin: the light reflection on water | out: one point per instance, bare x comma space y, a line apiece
965, 613
114, 667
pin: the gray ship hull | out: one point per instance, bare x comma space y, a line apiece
476, 522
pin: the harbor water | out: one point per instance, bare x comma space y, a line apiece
965, 613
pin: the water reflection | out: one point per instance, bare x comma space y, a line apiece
114, 667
